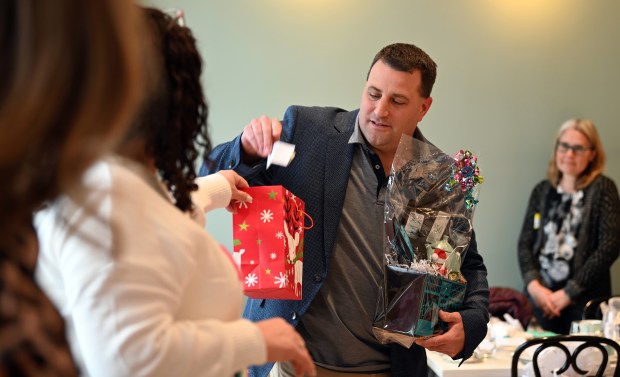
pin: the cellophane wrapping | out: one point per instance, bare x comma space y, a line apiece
429, 206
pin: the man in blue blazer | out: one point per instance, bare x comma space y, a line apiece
340, 170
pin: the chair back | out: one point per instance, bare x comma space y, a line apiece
592, 308
560, 341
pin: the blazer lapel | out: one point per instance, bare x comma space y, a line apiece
338, 160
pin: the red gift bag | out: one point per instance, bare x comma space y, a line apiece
268, 243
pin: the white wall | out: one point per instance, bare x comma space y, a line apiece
509, 73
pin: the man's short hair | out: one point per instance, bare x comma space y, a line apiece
408, 58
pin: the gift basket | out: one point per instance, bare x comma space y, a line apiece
429, 206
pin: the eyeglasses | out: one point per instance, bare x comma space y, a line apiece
577, 149
177, 15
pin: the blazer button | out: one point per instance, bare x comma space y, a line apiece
293, 315
232, 164
317, 278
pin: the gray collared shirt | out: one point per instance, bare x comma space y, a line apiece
338, 325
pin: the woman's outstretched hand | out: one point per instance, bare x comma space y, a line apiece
283, 343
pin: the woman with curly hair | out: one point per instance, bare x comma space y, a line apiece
172, 126
145, 289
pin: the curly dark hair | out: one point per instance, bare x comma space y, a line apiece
173, 120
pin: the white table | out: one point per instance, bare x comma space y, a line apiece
496, 366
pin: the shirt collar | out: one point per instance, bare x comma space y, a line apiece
357, 137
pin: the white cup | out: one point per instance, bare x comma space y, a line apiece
614, 304
588, 327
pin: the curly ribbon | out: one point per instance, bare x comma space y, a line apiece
466, 175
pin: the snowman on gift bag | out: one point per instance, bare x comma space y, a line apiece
293, 230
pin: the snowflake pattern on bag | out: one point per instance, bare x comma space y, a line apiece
268, 243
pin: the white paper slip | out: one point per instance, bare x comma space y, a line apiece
439, 226
281, 154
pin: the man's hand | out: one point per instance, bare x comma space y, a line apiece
452, 341
258, 138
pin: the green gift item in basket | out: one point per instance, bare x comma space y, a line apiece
411, 303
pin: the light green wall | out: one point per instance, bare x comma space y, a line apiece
509, 73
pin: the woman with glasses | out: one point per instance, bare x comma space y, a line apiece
571, 232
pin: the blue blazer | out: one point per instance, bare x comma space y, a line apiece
319, 174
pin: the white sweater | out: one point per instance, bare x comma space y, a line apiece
144, 290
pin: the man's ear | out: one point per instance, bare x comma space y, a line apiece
426, 105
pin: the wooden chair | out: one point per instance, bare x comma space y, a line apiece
592, 309
587, 342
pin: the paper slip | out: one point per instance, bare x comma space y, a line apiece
281, 154
439, 226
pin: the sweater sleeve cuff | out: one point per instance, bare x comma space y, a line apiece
529, 276
213, 192
573, 290
250, 345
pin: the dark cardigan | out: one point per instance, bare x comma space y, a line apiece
598, 240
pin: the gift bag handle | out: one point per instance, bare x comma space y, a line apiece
308, 216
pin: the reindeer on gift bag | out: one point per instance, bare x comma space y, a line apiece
293, 229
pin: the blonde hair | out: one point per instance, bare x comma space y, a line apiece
70, 80
594, 168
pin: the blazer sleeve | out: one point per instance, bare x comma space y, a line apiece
229, 155
475, 309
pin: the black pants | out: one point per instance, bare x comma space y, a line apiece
408, 362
